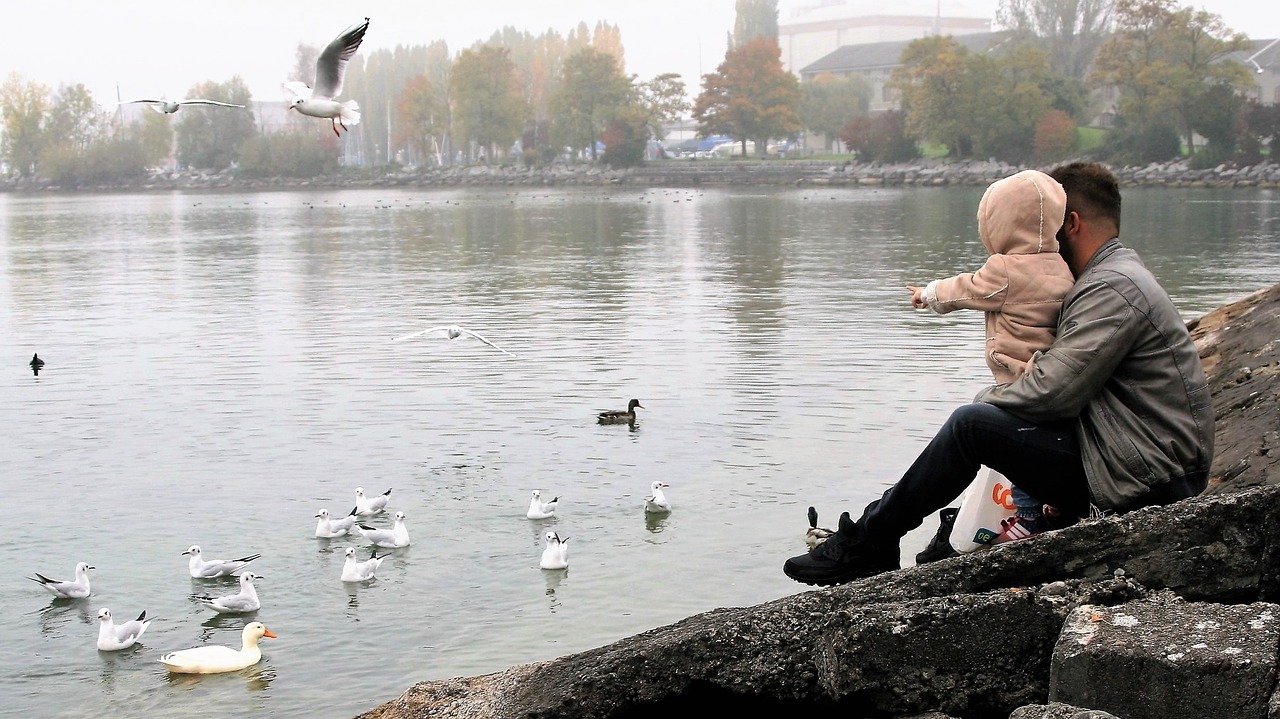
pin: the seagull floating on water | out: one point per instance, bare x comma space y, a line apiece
394, 538
555, 553
328, 528
114, 637
369, 507
452, 332
620, 416
216, 659
357, 571
319, 101
209, 568
168, 107
77, 588
657, 502
816, 535
539, 509
244, 601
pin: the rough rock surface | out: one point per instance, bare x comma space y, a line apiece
1240, 347
1058, 710
929, 641
1202, 659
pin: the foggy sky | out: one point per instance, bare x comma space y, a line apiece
150, 48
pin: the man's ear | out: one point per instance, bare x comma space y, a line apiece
1071, 223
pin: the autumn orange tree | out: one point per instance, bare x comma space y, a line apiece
749, 96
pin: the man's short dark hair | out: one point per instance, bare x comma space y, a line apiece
1092, 190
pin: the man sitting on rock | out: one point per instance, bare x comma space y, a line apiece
1114, 416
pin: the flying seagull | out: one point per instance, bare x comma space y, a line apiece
452, 332
319, 101
169, 107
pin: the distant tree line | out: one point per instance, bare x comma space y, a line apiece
519, 97
1167, 68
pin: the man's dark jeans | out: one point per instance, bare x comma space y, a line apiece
1042, 459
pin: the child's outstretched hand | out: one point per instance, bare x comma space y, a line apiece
917, 297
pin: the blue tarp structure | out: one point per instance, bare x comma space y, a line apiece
709, 143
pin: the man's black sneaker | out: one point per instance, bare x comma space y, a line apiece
844, 557
940, 546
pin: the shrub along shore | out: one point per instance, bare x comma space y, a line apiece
681, 173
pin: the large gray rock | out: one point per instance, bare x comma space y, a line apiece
1179, 660
1058, 710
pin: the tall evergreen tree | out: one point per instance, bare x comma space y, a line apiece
754, 19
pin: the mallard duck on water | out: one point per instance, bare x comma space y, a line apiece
816, 535
620, 416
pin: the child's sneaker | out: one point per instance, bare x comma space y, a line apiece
1015, 528
940, 546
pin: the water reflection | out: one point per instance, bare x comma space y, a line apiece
353, 598
224, 624
257, 678
116, 662
55, 617
655, 522
553, 578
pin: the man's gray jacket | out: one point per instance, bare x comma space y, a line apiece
1124, 366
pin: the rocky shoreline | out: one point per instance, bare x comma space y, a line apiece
1164, 613
683, 173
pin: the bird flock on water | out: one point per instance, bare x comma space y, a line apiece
212, 659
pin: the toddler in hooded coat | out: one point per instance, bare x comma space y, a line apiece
1019, 288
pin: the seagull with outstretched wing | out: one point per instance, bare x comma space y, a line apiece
452, 332
168, 107
319, 101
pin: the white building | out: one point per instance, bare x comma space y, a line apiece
1264, 60
813, 32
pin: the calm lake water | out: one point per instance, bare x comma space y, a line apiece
220, 366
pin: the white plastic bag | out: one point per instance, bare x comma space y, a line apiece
988, 500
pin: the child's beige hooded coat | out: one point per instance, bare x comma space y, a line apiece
1022, 283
